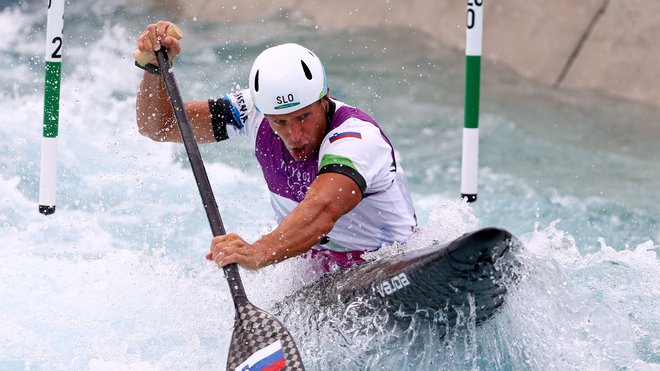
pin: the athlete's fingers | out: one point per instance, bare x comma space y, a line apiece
152, 37
241, 253
227, 249
141, 42
172, 45
161, 28
145, 45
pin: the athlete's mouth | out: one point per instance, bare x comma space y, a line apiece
299, 152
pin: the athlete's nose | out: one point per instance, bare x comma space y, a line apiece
296, 131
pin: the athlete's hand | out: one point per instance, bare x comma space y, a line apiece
155, 37
231, 248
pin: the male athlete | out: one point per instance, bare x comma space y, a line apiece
335, 184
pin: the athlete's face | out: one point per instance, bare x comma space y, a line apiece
301, 130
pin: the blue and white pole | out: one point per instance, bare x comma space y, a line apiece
48, 173
470, 157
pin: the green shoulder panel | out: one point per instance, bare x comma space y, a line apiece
329, 159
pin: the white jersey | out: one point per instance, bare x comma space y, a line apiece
354, 145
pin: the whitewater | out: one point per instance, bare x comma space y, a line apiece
116, 279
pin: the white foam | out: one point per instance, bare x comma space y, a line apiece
116, 278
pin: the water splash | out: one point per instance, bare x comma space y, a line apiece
117, 280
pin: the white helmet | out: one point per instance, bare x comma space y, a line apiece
286, 78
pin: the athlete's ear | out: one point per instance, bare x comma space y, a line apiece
325, 102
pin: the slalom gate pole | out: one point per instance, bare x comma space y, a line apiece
470, 155
48, 172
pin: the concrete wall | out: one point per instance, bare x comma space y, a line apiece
606, 45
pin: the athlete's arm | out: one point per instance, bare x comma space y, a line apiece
330, 196
154, 113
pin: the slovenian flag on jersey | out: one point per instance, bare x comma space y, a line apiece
346, 134
270, 358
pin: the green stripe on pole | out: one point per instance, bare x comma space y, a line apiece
472, 83
52, 99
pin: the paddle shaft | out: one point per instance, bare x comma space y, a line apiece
195, 157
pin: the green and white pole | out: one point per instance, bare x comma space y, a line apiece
470, 157
48, 173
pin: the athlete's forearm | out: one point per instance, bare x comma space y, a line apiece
329, 197
154, 114
297, 233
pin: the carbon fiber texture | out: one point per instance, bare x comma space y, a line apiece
255, 329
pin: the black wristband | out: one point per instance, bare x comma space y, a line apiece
220, 115
151, 68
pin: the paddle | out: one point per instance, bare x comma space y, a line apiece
259, 339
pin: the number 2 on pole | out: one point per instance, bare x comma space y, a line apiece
56, 54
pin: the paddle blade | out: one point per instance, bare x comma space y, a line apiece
261, 342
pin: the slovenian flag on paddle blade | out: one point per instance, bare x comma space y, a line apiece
346, 134
270, 358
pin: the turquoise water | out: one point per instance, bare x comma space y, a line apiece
116, 279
